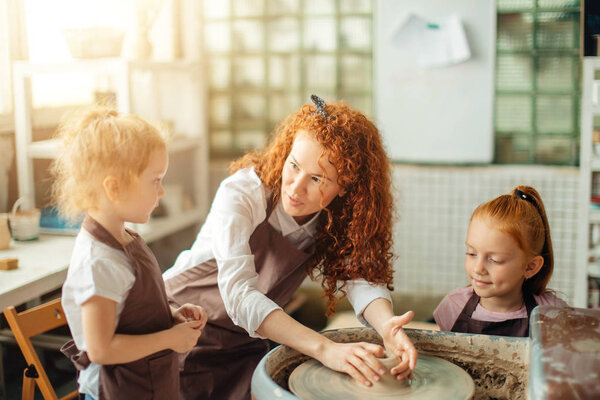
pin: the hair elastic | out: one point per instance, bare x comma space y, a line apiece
526, 197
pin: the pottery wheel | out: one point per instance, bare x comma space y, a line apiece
434, 378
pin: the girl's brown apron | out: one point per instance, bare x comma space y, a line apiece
146, 310
220, 366
518, 327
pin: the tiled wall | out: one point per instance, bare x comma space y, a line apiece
435, 203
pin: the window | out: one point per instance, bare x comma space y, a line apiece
537, 81
45, 22
267, 56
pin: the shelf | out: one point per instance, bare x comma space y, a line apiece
48, 149
167, 82
594, 270
100, 65
594, 217
160, 227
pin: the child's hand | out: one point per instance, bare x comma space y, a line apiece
190, 312
397, 342
359, 360
184, 336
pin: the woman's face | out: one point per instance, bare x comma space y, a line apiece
307, 183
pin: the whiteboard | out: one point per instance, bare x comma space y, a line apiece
436, 114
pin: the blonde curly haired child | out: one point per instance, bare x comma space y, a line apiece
125, 334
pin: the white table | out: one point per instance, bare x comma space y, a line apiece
42, 268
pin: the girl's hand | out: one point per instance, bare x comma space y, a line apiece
190, 312
184, 336
359, 360
397, 342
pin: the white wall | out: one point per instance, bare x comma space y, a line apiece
435, 203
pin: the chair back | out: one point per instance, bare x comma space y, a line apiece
24, 326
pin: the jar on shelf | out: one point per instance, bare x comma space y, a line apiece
596, 141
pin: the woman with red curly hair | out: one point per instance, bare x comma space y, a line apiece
317, 200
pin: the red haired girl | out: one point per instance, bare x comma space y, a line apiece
509, 262
317, 200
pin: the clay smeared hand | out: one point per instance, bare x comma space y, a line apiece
397, 342
190, 312
359, 360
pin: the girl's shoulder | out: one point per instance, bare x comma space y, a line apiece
550, 298
460, 295
450, 307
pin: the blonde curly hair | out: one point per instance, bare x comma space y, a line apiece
97, 142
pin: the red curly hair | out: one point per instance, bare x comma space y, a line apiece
354, 235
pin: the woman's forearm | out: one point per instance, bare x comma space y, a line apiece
377, 313
281, 328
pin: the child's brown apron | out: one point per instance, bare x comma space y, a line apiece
220, 366
518, 327
146, 310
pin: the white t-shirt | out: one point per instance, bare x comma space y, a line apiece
238, 208
450, 307
96, 269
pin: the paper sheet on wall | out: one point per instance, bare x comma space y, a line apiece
432, 43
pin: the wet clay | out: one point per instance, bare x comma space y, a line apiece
499, 366
434, 378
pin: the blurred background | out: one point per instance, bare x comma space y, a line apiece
221, 74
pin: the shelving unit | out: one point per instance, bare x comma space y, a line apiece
137, 86
588, 252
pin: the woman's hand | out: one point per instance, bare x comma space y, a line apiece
190, 312
397, 342
359, 360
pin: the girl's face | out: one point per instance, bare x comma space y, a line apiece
138, 201
495, 265
307, 185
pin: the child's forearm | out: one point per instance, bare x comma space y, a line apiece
104, 346
126, 348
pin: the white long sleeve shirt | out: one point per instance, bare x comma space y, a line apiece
238, 208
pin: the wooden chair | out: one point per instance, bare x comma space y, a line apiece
24, 326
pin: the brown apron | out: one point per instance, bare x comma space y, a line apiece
220, 366
518, 327
146, 310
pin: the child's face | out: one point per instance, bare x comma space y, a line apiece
141, 197
495, 264
304, 188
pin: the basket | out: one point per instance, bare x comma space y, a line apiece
94, 42
24, 224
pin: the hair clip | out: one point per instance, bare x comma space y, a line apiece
320, 103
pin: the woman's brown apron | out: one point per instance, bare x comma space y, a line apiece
220, 366
518, 327
146, 310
